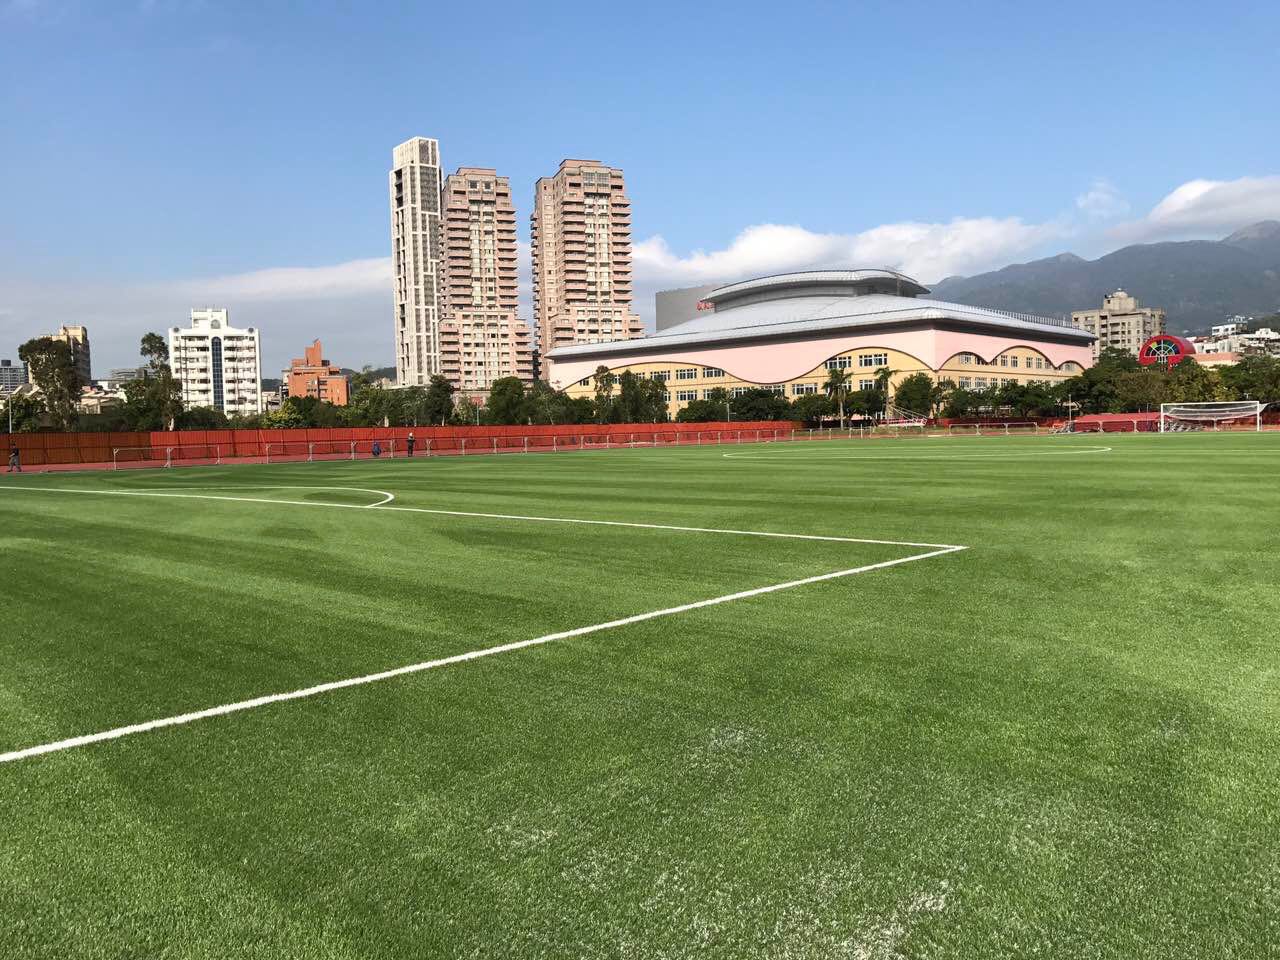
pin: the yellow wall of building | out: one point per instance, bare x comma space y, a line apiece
1017, 364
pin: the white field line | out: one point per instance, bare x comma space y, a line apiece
485, 516
819, 455
386, 497
228, 708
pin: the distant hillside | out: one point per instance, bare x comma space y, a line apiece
1198, 282
378, 373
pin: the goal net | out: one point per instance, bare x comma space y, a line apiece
1230, 415
896, 416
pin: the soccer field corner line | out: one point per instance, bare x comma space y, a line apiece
116, 733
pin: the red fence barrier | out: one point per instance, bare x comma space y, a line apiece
39, 449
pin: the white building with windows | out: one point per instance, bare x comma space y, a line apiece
218, 365
415, 259
1232, 328
1264, 341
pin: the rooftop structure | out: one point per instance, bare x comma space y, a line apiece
671, 307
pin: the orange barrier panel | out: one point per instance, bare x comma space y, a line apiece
61, 449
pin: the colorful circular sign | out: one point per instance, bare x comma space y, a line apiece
1166, 350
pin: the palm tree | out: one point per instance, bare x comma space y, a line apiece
837, 387
882, 384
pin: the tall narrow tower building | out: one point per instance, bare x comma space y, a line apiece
481, 338
581, 239
415, 258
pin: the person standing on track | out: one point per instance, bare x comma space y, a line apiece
412, 440
15, 460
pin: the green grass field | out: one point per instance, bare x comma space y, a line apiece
1062, 741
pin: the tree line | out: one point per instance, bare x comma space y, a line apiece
1117, 383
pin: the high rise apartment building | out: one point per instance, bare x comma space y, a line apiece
1121, 323
480, 337
217, 365
77, 338
415, 258
12, 375
581, 240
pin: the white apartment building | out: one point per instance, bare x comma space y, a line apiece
218, 365
415, 258
1233, 327
1262, 341
12, 375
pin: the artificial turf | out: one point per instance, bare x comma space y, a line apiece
1060, 742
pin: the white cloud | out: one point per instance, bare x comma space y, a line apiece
1102, 201
347, 305
353, 278
1206, 208
927, 251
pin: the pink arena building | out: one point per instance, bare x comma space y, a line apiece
786, 332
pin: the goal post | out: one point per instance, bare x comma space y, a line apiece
1232, 414
374, 449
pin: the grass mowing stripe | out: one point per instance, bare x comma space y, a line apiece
485, 516
228, 708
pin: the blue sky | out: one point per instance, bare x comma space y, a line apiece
160, 155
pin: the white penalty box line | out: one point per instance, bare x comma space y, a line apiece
933, 550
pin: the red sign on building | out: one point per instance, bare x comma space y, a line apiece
1166, 350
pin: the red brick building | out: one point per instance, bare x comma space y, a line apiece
313, 376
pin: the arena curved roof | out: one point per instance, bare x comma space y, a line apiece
880, 280
816, 303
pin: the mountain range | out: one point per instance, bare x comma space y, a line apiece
1197, 282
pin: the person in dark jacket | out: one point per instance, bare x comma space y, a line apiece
411, 441
15, 460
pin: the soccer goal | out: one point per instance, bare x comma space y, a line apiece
1232, 415
896, 416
